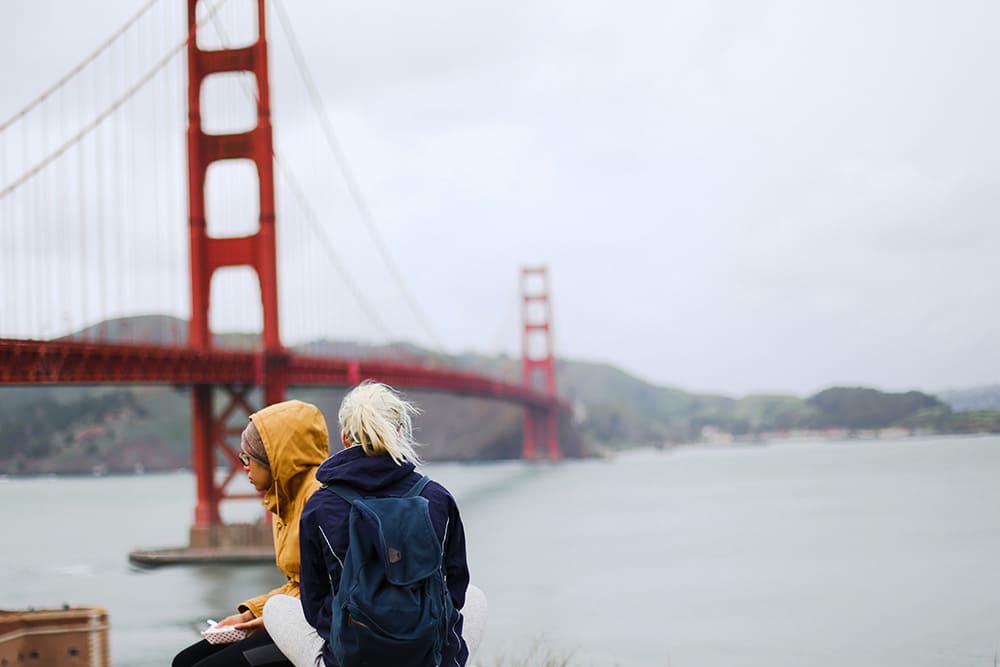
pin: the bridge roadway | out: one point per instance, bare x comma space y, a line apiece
34, 362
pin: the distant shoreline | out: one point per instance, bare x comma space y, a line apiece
829, 436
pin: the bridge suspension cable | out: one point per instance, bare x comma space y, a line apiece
313, 220
352, 187
102, 116
79, 67
348, 174
89, 251
309, 212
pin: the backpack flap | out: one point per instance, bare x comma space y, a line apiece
403, 536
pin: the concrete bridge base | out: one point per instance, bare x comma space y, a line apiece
229, 544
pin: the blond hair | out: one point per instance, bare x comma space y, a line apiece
376, 417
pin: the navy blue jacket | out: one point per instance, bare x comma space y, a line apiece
324, 527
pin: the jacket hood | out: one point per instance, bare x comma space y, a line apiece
296, 441
351, 466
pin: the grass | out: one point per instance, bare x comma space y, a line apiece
534, 655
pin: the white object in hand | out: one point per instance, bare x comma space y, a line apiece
226, 634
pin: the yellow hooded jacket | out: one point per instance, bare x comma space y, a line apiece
296, 441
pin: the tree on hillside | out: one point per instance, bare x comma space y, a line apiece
864, 408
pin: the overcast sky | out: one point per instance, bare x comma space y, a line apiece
730, 196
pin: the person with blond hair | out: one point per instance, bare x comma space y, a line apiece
280, 449
378, 460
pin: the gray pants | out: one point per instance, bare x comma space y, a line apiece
303, 646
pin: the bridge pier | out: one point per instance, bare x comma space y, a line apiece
218, 544
211, 540
541, 428
206, 510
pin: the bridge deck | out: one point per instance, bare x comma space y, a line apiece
69, 362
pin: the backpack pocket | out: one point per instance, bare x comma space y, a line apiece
366, 644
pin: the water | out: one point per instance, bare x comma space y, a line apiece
823, 554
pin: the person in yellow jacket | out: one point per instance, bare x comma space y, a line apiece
280, 449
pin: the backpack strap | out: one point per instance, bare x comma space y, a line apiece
344, 491
418, 487
350, 495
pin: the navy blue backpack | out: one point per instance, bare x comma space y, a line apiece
393, 606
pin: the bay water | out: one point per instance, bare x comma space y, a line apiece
880, 553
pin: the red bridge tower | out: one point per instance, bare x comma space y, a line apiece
540, 425
212, 429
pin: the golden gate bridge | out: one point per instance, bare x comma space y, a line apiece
91, 208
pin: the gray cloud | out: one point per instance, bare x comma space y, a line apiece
761, 196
